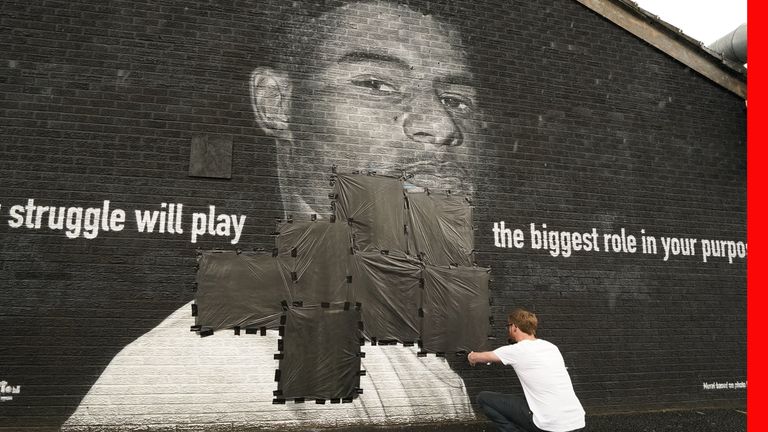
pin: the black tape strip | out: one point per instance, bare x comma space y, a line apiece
384, 252
421, 354
320, 401
194, 310
350, 220
325, 305
206, 331
360, 325
349, 278
251, 330
290, 218
280, 345
439, 354
278, 401
275, 233
421, 312
420, 343
195, 328
362, 341
346, 400
405, 229
362, 373
237, 331
335, 401
346, 305
294, 252
360, 354
298, 303
294, 276
358, 306
333, 220
278, 357
284, 305
283, 319
277, 375
298, 400
359, 390
281, 331
194, 287
313, 218
277, 393
408, 344
274, 252
263, 331
374, 341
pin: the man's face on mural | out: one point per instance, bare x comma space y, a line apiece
388, 90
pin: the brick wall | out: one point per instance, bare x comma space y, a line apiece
581, 126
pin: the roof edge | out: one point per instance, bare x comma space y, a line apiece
673, 42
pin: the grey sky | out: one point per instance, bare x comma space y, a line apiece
705, 20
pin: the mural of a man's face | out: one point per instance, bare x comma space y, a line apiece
387, 89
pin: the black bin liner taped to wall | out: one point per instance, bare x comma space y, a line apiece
320, 264
321, 353
388, 287
456, 309
331, 284
240, 290
441, 228
374, 206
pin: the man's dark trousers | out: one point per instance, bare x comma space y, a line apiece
509, 413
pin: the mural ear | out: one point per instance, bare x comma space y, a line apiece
270, 100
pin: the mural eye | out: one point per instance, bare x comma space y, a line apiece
457, 103
376, 85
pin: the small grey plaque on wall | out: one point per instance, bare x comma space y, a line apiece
211, 156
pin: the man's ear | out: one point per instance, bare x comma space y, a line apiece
270, 100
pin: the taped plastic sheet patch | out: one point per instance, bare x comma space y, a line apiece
374, 206
389, 289
320, 353
240, 290
456, 310
441, 228
317, 257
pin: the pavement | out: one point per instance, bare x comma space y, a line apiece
714, 420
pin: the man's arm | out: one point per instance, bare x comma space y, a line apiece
482, 357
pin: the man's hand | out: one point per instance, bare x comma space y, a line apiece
487, 357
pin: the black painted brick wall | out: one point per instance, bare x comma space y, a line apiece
590, 126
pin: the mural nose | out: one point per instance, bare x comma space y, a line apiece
427, 121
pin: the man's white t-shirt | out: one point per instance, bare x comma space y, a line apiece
546, 384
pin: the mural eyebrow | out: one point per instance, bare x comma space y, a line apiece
363, 56
459, 79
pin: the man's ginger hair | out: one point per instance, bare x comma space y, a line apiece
525, 320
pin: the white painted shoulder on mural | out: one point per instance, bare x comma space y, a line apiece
172, 376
